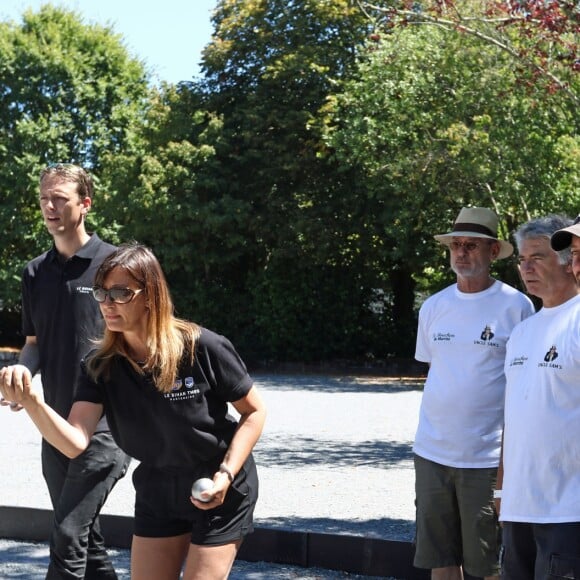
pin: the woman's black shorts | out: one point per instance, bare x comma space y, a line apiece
163, 508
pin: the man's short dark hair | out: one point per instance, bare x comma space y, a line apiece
74, 174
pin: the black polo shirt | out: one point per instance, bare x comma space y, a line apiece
59, 309
180, 430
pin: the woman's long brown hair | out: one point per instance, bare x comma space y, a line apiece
168, 338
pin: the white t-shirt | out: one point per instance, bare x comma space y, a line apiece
463, 336
542, 418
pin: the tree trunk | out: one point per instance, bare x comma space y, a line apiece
403, 311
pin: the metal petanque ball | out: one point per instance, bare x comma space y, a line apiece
200, 485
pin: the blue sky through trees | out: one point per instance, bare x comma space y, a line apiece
168, 35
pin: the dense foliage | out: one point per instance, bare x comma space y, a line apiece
68, 92
292, 191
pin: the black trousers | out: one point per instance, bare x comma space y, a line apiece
78, 489
541, 551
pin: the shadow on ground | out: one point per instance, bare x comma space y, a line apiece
29, 560
380, 528
306, 451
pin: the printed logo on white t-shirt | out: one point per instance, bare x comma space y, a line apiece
487, 333
485, 337
443, 336
518, 361
549, 357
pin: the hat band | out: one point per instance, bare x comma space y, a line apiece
475, 228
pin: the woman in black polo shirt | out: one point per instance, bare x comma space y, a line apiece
164, 384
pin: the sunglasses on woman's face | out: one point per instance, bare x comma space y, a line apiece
117, 294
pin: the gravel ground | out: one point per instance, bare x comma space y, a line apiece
335, 457
29, 560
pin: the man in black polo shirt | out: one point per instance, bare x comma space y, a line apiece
59, 319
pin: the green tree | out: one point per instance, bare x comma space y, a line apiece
178, 203
69, 92
244, 205
437, 120
270, 69
540, 36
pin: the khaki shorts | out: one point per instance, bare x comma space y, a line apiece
456, 520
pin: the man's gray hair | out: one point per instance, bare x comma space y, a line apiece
544, 227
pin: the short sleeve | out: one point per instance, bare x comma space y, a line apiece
86, 388
422, 350
223, 366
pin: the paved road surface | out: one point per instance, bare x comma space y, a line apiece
335, 457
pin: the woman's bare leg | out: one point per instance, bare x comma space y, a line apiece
158, 558
210, 562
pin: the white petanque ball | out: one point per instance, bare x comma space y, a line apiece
200, 485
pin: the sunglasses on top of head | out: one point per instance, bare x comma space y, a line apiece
117, 294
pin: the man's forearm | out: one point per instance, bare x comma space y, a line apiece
30, 357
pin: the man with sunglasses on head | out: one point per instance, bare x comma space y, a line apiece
462, 335
539, 500
60, 320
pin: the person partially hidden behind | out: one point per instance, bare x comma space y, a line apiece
462, 334
60, 319
164, 384
539, 478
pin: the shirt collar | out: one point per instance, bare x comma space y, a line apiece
84, 252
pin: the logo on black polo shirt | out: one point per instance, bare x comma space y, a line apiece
178, 393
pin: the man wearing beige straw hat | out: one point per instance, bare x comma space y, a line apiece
462, 335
